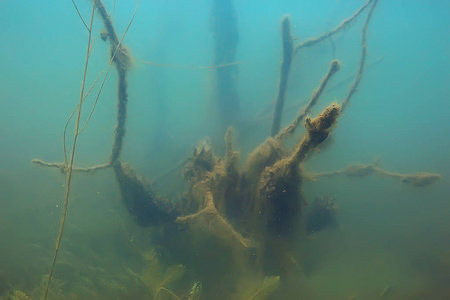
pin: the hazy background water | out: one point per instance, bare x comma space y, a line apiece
390, 234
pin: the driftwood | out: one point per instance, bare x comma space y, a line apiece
256, 210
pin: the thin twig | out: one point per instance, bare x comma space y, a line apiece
344, 24
114, 10
183, 66
70, 171
71, 115
79, 14
362, 60
87, 94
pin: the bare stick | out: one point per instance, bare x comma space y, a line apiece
343, 25
64, 168
284, 72
71, 115
290, 129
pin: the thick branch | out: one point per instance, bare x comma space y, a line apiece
279, 202
317, 131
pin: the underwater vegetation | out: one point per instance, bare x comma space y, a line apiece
238, 230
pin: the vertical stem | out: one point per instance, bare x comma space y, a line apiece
69, 175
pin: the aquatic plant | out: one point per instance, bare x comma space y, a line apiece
70, 166
247, 217
17, 295
268, 286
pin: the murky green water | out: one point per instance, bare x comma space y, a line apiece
390, 239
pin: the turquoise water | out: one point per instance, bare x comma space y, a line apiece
390, 235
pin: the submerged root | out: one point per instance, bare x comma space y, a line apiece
264, 155
279, 201
277, 205
142, 203
213, 191
215, 222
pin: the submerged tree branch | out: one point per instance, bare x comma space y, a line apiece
290, 129
313, 41
361, 170
362, 60
284, 72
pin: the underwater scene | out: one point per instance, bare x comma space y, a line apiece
225, 150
